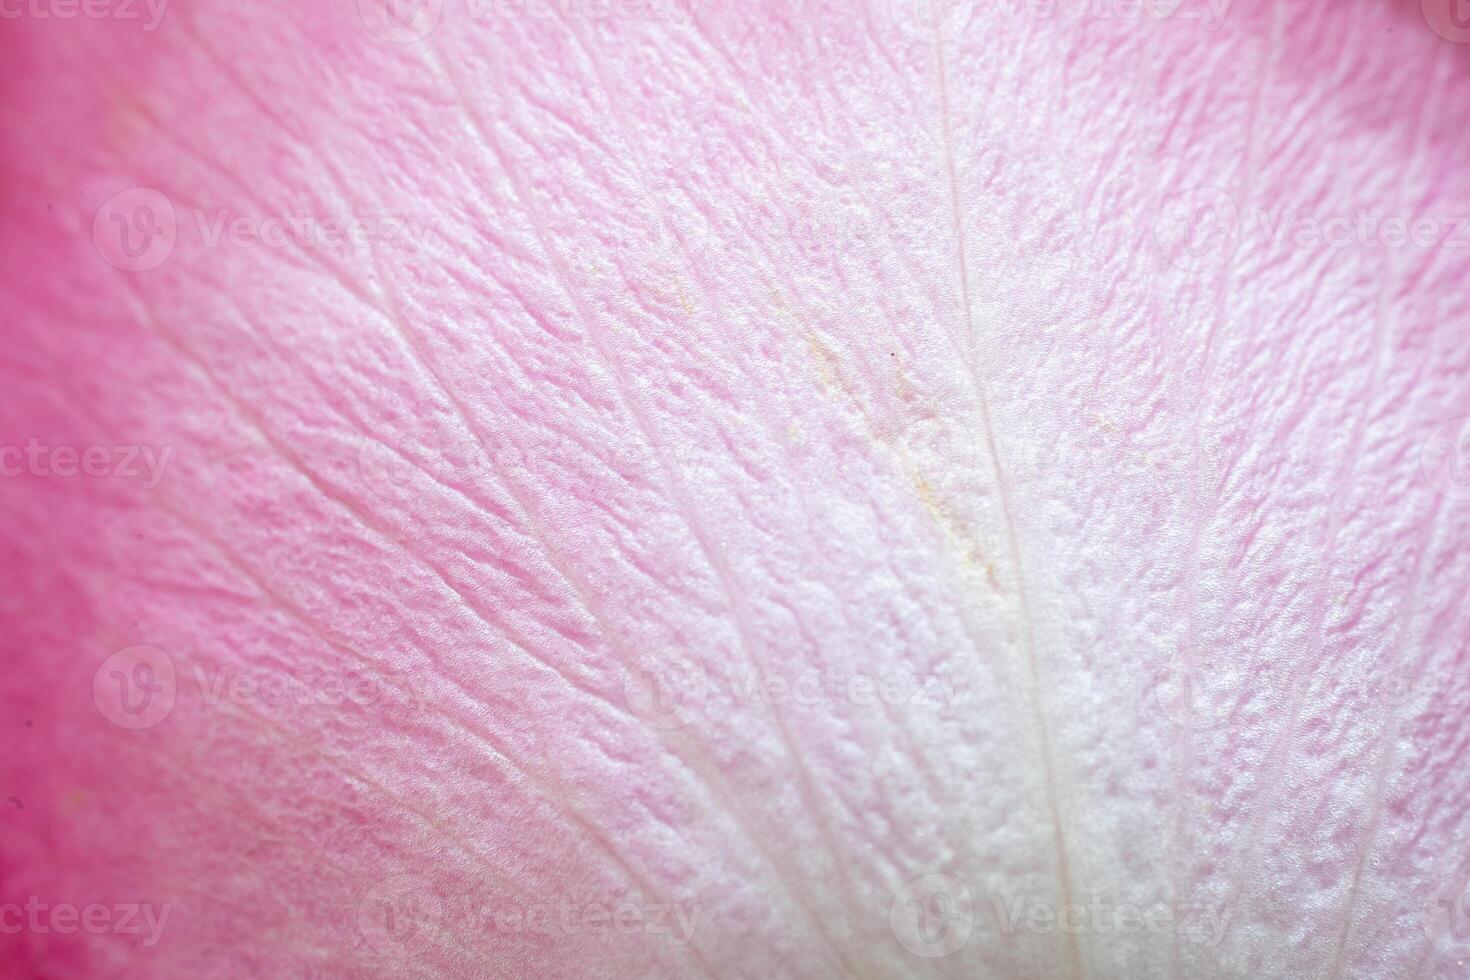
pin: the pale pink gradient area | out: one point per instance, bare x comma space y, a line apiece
389, 396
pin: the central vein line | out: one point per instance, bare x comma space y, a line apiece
1070, 951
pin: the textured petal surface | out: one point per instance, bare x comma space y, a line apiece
770, 489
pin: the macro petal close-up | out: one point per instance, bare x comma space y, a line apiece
694, 488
